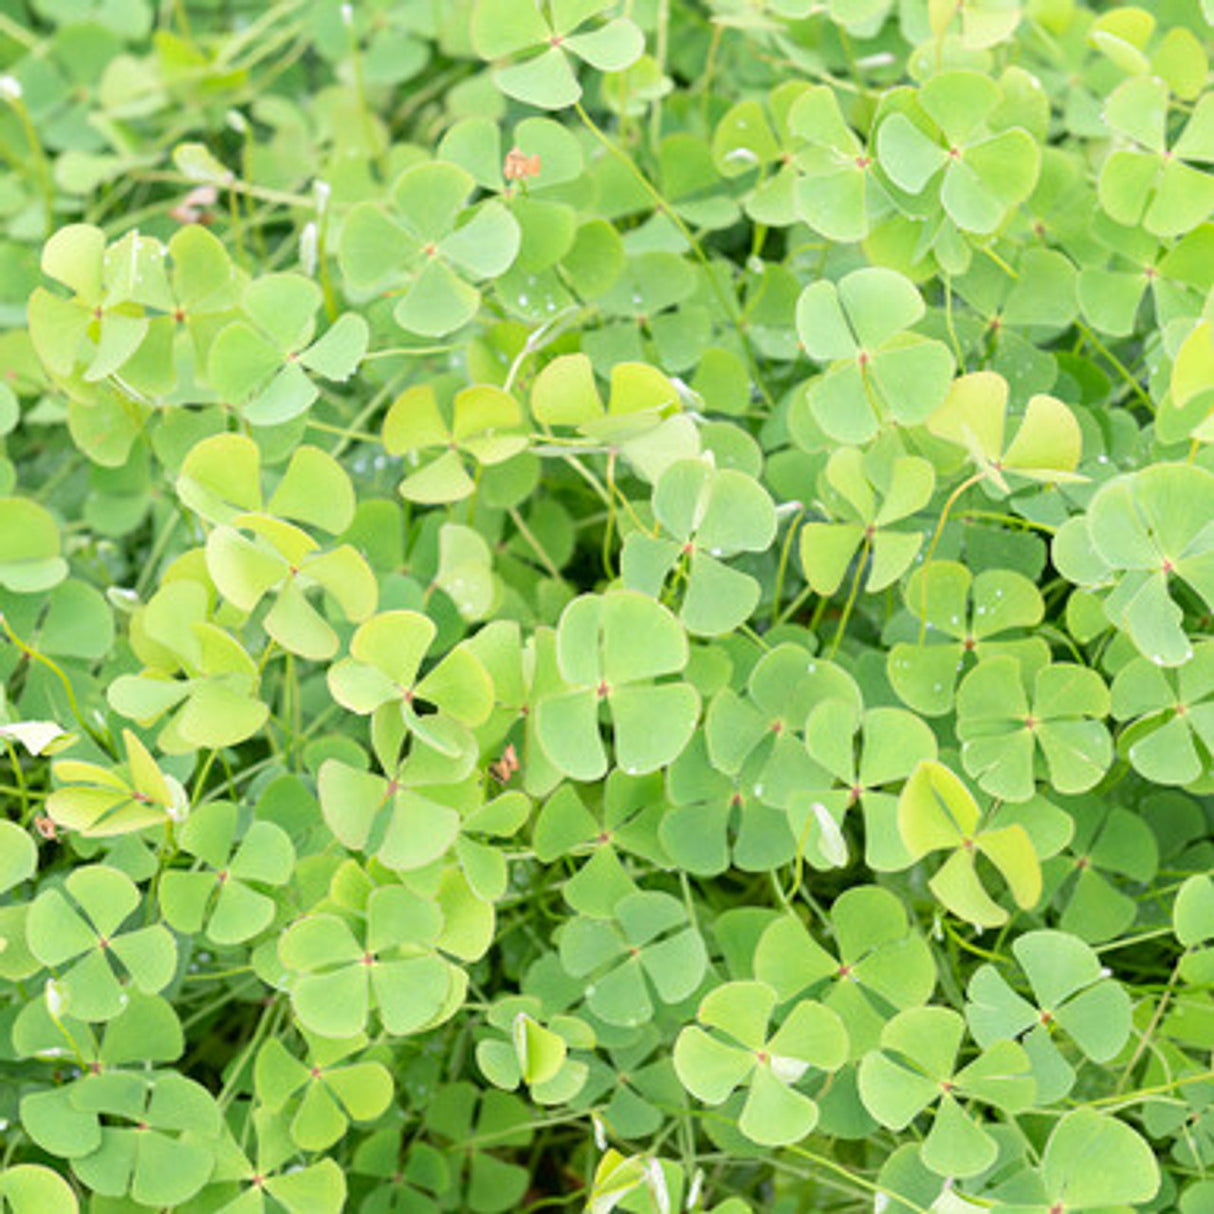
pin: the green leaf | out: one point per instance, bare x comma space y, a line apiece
18, 856
29, 547
31, 1188
501, 28
774, 1114
1093, 1160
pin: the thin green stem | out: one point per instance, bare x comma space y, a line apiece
861, 564
34, 656
968, 483
42, 166
1127, 376
267, 1024
782, 567
534, 544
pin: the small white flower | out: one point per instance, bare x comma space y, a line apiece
55, 999
697, 1187
321, 192
787, 1070
831, 842
35, 736
655, 1179
600, 1131
518, 1031
690, 398
307, 248
238, 122
123, 598
10, 88
178, 808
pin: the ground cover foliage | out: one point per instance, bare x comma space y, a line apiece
606, 604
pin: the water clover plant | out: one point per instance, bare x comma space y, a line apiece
649, 939
485, 426
224, 902
949, 136
327, 1090
879, 965
338, 977
1143, 530
548, 79
418, 247
606, 605
916, 1068
866, 496
260, 361
611, 649
744, 1052
877, 373
936, 812
1073, 998
81, 924
1003, 730
708, 513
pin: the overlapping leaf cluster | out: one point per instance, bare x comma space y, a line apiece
606, 603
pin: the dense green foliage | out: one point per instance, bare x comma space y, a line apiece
606, 604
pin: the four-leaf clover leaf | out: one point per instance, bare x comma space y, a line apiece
81, 926
945, 132
648, 944
709, 513
610, 649
260, 362
854, 483
937, 812
223, 896
484, 429
1003, 730
1141, 530
429, 245
383, 669
337, 1087
916, 1067
732, 1046
391, 966
971, 612
1155, 185
1071, 992
504, 29
1171, 735
878, 372
880, 965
